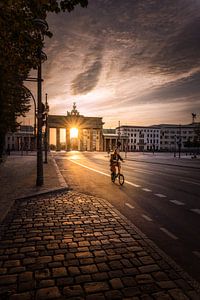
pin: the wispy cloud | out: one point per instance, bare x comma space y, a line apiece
126, 59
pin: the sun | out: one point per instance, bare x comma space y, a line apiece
73, 132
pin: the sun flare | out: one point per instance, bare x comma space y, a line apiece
73, 133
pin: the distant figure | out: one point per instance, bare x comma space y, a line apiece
8, 150
115, 159
108, 151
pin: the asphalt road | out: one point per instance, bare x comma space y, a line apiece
162, 201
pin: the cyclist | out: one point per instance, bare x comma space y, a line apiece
115, 159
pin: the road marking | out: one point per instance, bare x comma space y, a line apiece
129, 205
188, 181
75, 162
197, 253
147, 218
128, 182
169, 233
160, 195
177, 202
195, 210
146, 190
133, 184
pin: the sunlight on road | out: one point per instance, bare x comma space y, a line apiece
75, 155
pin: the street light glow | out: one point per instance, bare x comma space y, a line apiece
73, 132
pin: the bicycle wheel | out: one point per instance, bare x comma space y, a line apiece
121, 179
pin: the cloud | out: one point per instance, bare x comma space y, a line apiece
88, 79
125, 54
184, 88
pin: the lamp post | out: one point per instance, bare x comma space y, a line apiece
175, 146
42, 27
35, 108
179, 142
119, 133
46, 131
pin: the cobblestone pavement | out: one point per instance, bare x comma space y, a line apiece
18, 179
73, 246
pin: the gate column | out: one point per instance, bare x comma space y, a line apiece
57, 138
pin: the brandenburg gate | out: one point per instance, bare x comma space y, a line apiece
81, 133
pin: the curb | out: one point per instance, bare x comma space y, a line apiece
193, 282
61, 189
61, 179
153, 248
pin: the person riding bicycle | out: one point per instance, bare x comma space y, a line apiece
115, 159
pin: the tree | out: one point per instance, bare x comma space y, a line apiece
197, 131
19, 43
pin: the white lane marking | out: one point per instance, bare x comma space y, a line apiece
75, 162
195, 210
188, 181
147, 190
169, 233
128, 182
147, 218
160, 195
129, 205
197, 253
177, 202
133, 184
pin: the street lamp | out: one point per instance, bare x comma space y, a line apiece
175, 146
119, 132
46, 130
42, 27
35, 108
179, 142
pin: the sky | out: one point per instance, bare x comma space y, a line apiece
133, 61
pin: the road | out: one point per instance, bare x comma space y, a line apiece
163, 201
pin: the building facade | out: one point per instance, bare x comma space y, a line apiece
75, 132
174, 136
110, 138
140, 138
164, 137
21, 140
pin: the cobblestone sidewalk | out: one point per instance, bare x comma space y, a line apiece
18, 180
74, 246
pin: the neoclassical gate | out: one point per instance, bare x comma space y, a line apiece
76, 132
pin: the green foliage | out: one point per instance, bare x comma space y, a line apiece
20, 40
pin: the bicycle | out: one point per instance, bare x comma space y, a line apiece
120, 177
